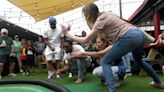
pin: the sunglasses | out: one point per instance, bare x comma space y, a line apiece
4, 33
65, 46
53, 23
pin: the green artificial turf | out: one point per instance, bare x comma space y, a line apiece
92, 84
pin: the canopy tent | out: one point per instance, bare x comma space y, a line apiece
42, 9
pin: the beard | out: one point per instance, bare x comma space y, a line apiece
53, 26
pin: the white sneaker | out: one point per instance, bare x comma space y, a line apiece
50, 74
27, 73
129, 74
69, 75
49, 77
58, 77
23, 73
118, 83
21, 70
12, 74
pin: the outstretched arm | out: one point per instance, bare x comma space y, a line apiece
92, 54
158, 41
79, 39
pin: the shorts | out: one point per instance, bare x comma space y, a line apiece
4, 58
53, 55
37, 54
30, 60
13, 59
24, 62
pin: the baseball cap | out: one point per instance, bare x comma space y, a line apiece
52, 20
4, 30
16, 36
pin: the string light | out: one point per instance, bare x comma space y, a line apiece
72, 4
10, 10
59, 11
30, 17
36, 4
21, 13
19, 19
4, 13
69, 1
37, 15
82, 3
103, 4
54, 10
37, 18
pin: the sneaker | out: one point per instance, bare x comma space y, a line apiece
23, 73
27, 73
157, 85
50, 74
32, 73
58, 77
12, 74
21, 70
70, 75
118, 83
49, 79
129, 74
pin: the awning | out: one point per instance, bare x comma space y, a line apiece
42, 9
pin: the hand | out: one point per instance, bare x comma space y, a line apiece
58, 71
78, 54
162, 42
53, 49
3, 45
12, 54
64, 29
68, 58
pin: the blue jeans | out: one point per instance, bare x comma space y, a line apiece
132, 41
78, 65
127, 63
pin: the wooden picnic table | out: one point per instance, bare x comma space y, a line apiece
151, 57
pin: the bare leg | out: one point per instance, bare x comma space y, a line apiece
50, 69
19, 62
39, 60
11, 69
163, 69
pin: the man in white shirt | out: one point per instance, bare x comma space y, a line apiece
74, 63
54, 41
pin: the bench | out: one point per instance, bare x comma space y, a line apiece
151, 60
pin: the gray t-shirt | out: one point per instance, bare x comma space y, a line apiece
39, 46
